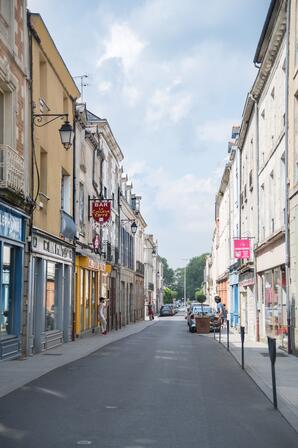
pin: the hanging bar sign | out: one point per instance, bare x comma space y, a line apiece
242, 249
101, 211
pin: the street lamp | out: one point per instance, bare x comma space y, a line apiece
66, 134
66, 131
186, 259
133, 227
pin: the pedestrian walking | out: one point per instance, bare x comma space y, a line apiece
101, 315
150, 311
221, 312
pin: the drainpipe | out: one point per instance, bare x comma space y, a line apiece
287, 262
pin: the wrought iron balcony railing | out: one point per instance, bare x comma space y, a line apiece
140, 267
11, 169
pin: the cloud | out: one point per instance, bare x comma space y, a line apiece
124, 44
216, 131
104, 86
166, 104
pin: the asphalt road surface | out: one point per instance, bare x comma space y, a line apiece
161, 388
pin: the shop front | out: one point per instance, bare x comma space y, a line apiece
233, 305
105, 289
12, 238
51, 285
275, 304
248, 306
222, 286
270, 264
87, 295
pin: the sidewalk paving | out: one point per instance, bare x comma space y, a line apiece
257, 365
16, 373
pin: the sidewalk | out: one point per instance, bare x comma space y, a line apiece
17, 373
257, 365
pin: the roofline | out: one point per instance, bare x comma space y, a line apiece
264, 32
36, 14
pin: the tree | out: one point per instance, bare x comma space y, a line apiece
168, 295
174, 280
195, 274
168, 273
200, 297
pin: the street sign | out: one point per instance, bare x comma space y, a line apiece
101, 211
96, 244
241, 248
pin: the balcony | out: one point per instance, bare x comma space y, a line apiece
11, 170
151, 286
139, 267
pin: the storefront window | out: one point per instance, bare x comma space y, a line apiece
6, 304
82, 298
275, 305
51, 298
93, 299
267, 278
87, 299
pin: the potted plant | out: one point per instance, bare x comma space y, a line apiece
202, 322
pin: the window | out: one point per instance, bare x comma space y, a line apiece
1, 118
65, 193
43, 171
7, 295
250, 181
273, 93
263, 114
81, 205
51, 308
6, 13
105, 192
65, 104
43, 80
296, 33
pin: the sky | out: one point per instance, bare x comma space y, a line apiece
171, 77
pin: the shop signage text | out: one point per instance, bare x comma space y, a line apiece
242, 248
101, 211
49, 247
11, 225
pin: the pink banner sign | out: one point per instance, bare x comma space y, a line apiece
241, 249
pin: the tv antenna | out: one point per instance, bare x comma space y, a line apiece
82, 83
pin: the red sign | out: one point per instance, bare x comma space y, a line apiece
241, 249
101, 211
96, 244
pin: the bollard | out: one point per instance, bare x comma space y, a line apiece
242, 332
214, 332
228, 335
272, 354
219, 336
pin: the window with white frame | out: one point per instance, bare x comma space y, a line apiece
81, 205
6, 8
65, 192
296, 34
1, 118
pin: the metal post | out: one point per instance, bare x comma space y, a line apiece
228, 335
272, 354
214, 332
219, 336
242, 332
185, 284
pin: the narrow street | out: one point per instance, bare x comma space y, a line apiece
162, 387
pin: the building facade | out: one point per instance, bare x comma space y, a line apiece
15, 170
53, 227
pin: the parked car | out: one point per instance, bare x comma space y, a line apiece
198, 309
166, 310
